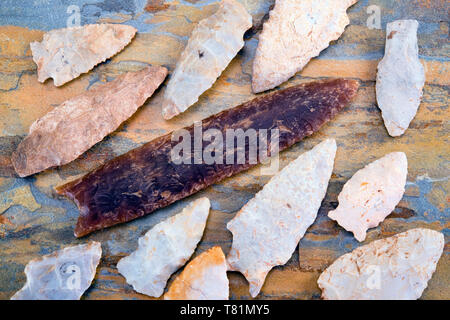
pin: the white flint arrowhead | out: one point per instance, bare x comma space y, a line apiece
66, 53
395, 268
269, 227
371, 194
400, 77
204, 278
62, 275
164, 249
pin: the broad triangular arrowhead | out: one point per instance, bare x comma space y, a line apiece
269, 227
64, 54
395, 268
296, 32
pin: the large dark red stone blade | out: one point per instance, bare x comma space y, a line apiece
144, 179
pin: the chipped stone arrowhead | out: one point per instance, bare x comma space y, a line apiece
204, 278
371, 194
63, 275
269, 227
66, 53
164, 249
400, 77
211, 47
296, 32
395, 268
70, 129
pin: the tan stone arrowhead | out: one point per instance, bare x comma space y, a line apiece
70, 129
204, 278
371, 194
269, 227
211, 47
62, 275
395, 268
64, 54
297, 30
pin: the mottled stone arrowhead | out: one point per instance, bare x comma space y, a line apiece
296, 32
62, 275
64, 54
371, 194
211, 47
204, 278
269, 227
395, 268
70, 129
400, 77
164, 249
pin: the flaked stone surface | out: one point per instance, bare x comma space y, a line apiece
64, 54
164, 249
269, 227
212, 45
371, 194
296, 32
63, 275
204, 278
70, 129
395, 268
400, 77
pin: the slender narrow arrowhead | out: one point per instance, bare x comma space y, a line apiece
212, 45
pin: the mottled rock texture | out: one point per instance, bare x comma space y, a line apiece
71, 128
400, 77
164, 249
296, 32
62, 275
371, 194
145, 179
268, 228
64, 54
395, 268
204, 278
212, 45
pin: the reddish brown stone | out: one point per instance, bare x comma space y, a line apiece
144, 179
